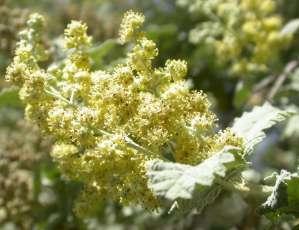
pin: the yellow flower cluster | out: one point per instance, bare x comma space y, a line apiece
244, 34
107, 125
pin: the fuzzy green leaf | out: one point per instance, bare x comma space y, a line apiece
9, 98
251, 125
100, 52
103, 49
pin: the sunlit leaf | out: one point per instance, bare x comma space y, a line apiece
174, 180
251, 125
291, 27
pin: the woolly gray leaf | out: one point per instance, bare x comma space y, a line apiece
251, 125
174, 180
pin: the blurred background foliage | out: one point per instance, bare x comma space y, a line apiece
231, 57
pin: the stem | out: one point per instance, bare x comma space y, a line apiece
247, 190
57, 95
264, 83
291, 66
136, 146
52, 91
129, 142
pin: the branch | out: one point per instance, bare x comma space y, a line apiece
291, 66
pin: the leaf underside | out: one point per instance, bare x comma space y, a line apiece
195, 184
251, 125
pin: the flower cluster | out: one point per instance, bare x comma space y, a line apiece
11, 21
21, 148
108, 124
244, 34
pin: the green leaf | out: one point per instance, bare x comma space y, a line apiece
291, 27
275, 197
97, 53
251, 125
9, 98
242, 93
179, 181
155, 32
284, 198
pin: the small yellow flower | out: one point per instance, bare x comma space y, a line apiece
108, 124
248, 38
130, 25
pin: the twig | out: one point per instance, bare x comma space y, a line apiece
281, 78
264, 83
128, 141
